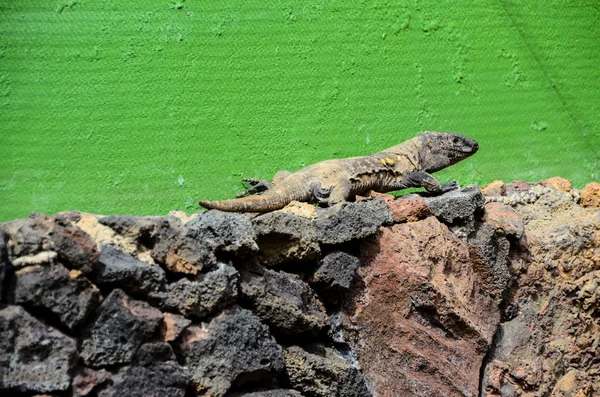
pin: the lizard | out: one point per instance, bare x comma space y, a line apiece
329, 182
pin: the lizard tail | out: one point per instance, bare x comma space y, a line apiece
258, 203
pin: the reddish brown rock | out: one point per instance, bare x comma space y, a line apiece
409, 208
558, 183
496, 188
517, 187
590, 195
172, 326
87, 379
504, 218
421, 309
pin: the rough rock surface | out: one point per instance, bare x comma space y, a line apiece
154, 372
423, 309
233, 347
33, 356
205, 294
117, 269
321, 372
195, 245
551, 346
122, 325
336, 270
456, 205
69, 295
283, 301
425, 296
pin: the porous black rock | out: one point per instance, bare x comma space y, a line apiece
206, 293
194, 246
122, 325
235, 347
154, 372
69, 295
283, 301
320, 371
284, 237
352, 221
336, 271
457, 205
117, 269
34, 357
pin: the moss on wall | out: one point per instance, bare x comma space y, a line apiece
148, 105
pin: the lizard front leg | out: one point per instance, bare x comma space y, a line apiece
423, 179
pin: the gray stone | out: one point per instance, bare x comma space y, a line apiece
284, 237
123, 324
319, 371
116, 269
336, 270
233, 348
69, 295
352, 221
33, 356
488, 250
194, 246
457, 205
153, 373
146, 231
205, 294
283, 301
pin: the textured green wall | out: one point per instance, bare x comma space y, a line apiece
148, 105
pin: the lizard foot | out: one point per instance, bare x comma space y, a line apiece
319, 193
446, 187
256, 186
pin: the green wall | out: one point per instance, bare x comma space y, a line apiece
148, 105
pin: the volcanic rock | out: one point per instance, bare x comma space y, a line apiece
33, 356
283, 301
69, 295
321, 372
194, 246
205, 294
233, 347
122, 325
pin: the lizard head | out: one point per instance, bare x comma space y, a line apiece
442, 149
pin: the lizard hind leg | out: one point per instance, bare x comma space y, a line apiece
319, 193
256, 186
339, 193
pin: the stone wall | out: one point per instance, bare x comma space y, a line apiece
466, 294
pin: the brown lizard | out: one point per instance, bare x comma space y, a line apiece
406, 165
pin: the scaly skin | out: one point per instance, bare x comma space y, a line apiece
329, 182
